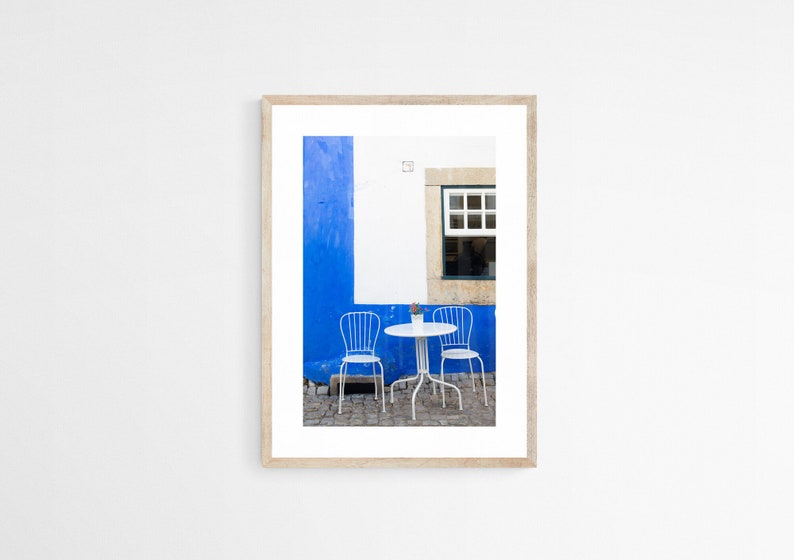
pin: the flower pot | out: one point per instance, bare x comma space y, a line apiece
417, 321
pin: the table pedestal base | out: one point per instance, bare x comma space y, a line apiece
423, 370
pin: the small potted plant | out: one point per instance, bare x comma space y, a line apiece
417, 314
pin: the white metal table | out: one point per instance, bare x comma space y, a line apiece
420, 333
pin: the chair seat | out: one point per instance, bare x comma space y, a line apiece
361, 359
459, 354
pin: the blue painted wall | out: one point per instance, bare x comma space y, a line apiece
328, 230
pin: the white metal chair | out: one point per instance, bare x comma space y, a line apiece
360, 331
455, 346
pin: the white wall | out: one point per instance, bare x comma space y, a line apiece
388, 200
130, 278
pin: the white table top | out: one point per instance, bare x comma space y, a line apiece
409, 330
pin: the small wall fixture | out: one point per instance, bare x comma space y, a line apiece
408, 167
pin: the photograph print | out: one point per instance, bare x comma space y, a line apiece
399, 274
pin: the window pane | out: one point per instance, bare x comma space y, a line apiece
490, 221
456, 202
456, 221
490, 202
474, 201
469, 256
475, 221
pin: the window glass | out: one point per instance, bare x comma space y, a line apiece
469, 256
456, 202
469, 232
490, 221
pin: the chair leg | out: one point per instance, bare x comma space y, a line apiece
342, 371
382, 387
443, 393
471, 374
375, 380
482, 373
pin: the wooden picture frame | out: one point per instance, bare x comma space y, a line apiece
289, 120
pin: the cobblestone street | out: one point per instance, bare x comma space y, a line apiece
320, 408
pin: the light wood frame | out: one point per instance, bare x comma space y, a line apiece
268, 460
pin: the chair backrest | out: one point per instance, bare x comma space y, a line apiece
459, 316
360, 331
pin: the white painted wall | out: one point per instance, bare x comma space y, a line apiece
130, 279
390, 264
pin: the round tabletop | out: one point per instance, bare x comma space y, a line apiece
410, 330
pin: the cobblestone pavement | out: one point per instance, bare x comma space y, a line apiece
320, 408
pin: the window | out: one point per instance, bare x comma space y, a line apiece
469, 229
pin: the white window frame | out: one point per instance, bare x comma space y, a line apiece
466, 231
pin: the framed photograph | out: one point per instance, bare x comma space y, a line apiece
390, 337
